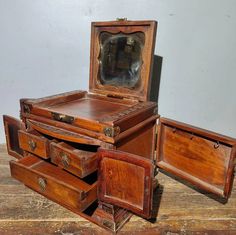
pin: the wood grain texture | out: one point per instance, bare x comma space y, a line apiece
34, 142
182, 210
54, 183
125, 180
204, 158
78, 162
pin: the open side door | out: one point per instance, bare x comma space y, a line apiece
204, 158
126, 180
12, 125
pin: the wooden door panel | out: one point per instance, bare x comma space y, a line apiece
125, 180
203, 158
12, 126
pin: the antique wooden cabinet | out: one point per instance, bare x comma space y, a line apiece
97, 153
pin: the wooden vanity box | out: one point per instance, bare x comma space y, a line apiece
97, 153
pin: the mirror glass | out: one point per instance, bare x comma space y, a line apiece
120, 59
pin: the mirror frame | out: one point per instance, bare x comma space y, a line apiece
124, 27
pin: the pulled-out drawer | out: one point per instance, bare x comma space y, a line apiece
55, 183
35, 143
79, 162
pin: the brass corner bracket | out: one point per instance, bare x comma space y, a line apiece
111, 131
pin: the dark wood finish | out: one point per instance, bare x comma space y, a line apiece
12, 126
90, 113
149, 30
79, 162
34, 142
113, 117
125, 180
204, 158
181, 210
54, 183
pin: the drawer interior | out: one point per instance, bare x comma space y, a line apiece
55, 183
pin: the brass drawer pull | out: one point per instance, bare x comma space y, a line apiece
65, 159
42, 183
32, 144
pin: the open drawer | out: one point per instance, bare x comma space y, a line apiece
80, 161
33, 142
54, 183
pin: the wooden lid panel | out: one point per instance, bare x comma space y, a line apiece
201, 157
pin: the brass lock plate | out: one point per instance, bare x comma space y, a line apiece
62, 118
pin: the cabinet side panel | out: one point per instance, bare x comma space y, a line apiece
141, 143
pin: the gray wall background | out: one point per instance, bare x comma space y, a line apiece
44, 50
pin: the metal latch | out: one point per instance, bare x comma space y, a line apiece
62, 118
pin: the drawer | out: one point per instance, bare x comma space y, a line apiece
34, 142
77, 161
54, 183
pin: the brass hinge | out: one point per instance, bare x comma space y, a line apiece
111, 131
155, 144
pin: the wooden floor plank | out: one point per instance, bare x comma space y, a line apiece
182, 210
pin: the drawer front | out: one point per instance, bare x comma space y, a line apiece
79, 162
34, 143
33, 173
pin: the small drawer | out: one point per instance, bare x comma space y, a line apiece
34, 142
55, 183
79, 162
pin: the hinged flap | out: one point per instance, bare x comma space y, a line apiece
12, 125
125, 180
204, 158
121, 57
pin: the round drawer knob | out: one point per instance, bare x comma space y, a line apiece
32, 144
42, 183
65, 159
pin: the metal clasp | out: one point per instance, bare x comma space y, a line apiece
62, 118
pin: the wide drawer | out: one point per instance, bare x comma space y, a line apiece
54, 183
77, 161
34, 142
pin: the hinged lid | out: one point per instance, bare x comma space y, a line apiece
121, 58
204, 158
125, 180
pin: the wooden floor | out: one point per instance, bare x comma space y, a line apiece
182, 210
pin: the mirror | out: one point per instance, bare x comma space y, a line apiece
120, 59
